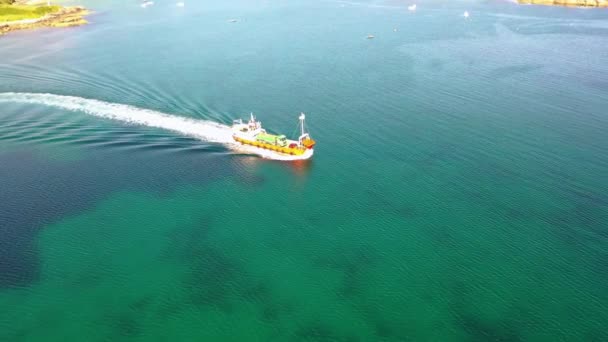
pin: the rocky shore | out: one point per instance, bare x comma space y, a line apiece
65, 17
572, 3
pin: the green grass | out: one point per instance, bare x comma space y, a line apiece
14, 12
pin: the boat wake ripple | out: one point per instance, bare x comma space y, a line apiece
200, 129
203, 130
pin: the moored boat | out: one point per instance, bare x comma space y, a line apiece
251, 133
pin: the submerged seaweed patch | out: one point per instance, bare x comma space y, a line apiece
480, 330
585, 221
211, 277
210, 272
127, 326
142, 304
214, 279
353, 264
379, 204
474, 325
318, 331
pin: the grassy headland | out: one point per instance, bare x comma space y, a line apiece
22, 12
20, 15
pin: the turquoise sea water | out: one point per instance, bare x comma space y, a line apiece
458, 191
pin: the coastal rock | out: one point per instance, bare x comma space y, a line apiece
574, 3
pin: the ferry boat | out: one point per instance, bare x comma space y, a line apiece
251, 133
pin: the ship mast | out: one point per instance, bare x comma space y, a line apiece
302, 117
253, 124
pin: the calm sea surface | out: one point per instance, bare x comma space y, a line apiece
459, 190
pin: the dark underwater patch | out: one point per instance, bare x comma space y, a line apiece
472, 322
37, 191
142, 304
18, 335
481, 330
211, 279
186, 240
378, 204
352, 264
214, 279
318, 331
443, 152
270, 308
596, 335
585, 220
168, 310
218, 281
443, 236
271, 313
210, 272
127, 325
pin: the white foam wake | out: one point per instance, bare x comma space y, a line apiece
200, 129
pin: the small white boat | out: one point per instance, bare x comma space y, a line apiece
233, 21
466, 14
147, 3
370, 36
180, 4
411, 8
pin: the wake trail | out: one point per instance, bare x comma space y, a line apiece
200, 129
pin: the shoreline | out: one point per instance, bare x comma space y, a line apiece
65, 17
567, 3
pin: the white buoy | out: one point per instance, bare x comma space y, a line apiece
465, 14
180, 4
411, 8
